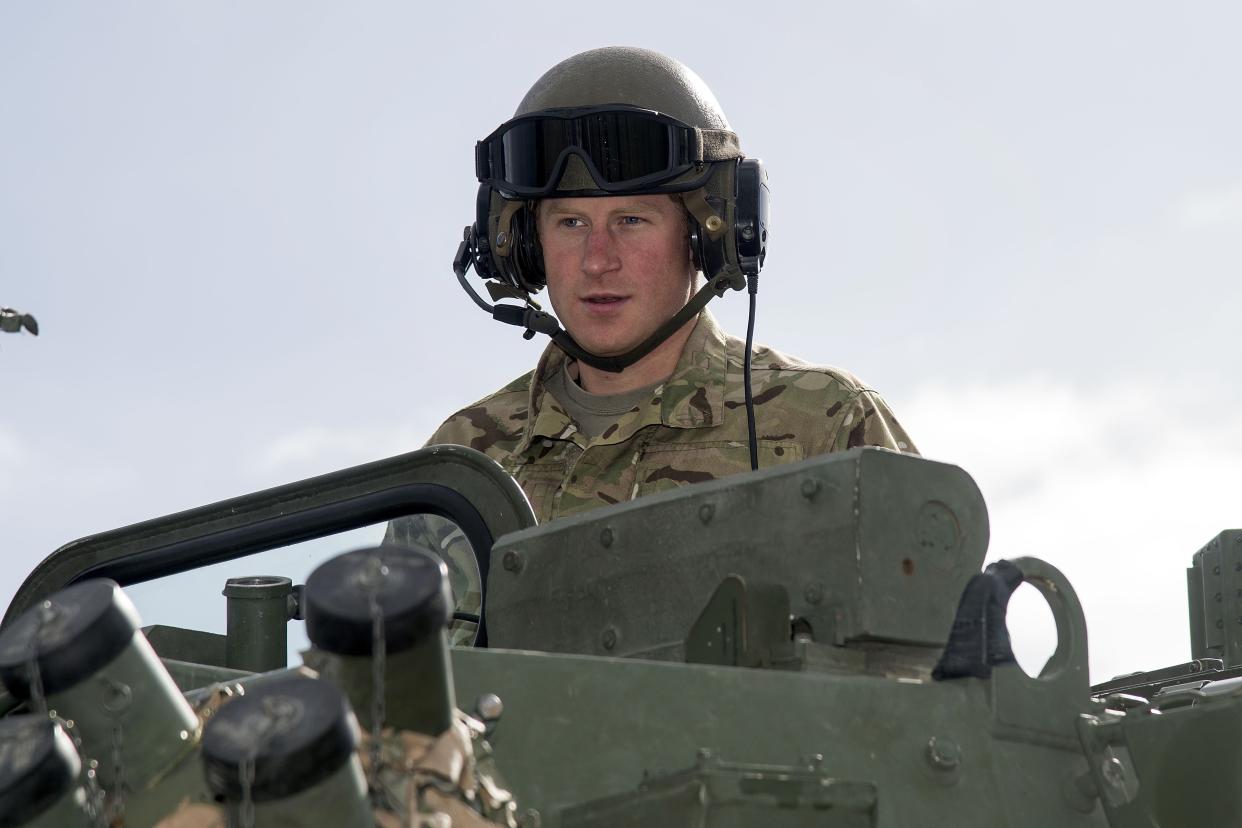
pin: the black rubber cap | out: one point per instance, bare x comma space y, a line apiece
73, 634
38, 764
299, 731
411, 588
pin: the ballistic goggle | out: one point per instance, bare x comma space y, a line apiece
624, 148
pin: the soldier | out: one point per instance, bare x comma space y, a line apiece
620, 185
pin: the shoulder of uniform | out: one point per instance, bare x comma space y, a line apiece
499, 416
770, 365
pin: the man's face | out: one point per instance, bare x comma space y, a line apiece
618, 267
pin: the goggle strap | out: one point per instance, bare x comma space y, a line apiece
717, 145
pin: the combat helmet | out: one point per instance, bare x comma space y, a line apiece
611, 121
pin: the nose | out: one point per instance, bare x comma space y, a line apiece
599, 253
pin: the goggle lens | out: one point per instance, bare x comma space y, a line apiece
621, 148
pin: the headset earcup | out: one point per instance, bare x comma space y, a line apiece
527, 251
484, 264
696, 245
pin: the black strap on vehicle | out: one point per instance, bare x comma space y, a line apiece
979, 640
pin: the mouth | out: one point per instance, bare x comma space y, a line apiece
603, 299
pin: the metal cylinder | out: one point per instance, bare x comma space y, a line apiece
402, 593
39, 769
258, 623
81, 654
285, 755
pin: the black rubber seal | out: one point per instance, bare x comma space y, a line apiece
412, 593
73, 634
38, 765
299, 731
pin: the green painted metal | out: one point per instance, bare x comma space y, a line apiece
258, 613
203, 648
869, 544
1214, 586
191, 676
425, 666
743, 625
837, 581
719, 794
579, 728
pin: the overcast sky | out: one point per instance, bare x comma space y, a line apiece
234, 222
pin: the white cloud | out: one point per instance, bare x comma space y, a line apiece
11, 459
1210, 208
317, 449
1116, 486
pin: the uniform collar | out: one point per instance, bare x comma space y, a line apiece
691, 397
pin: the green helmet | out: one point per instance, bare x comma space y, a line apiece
633, 77
610, 121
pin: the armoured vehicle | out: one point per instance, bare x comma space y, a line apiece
812, 644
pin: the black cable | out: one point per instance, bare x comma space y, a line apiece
752, 287
462, 263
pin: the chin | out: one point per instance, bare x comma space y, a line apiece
606, 350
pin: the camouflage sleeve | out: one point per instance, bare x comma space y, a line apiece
867, 421
443, 537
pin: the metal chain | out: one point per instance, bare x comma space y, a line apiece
379, 653
118, 771
95, 795
277, 720
119, 698
246, 773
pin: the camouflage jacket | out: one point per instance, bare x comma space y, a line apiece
693, 429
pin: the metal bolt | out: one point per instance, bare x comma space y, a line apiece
605, 537
706, 512
117, 697
814, 593
512, 561
489, 707
713, 224
748, 233
810, 487
502, 238
609, 638
943, 754
1216, 570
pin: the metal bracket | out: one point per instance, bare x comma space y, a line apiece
1044, 710
742, 626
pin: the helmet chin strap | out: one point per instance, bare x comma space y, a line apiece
537, 321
